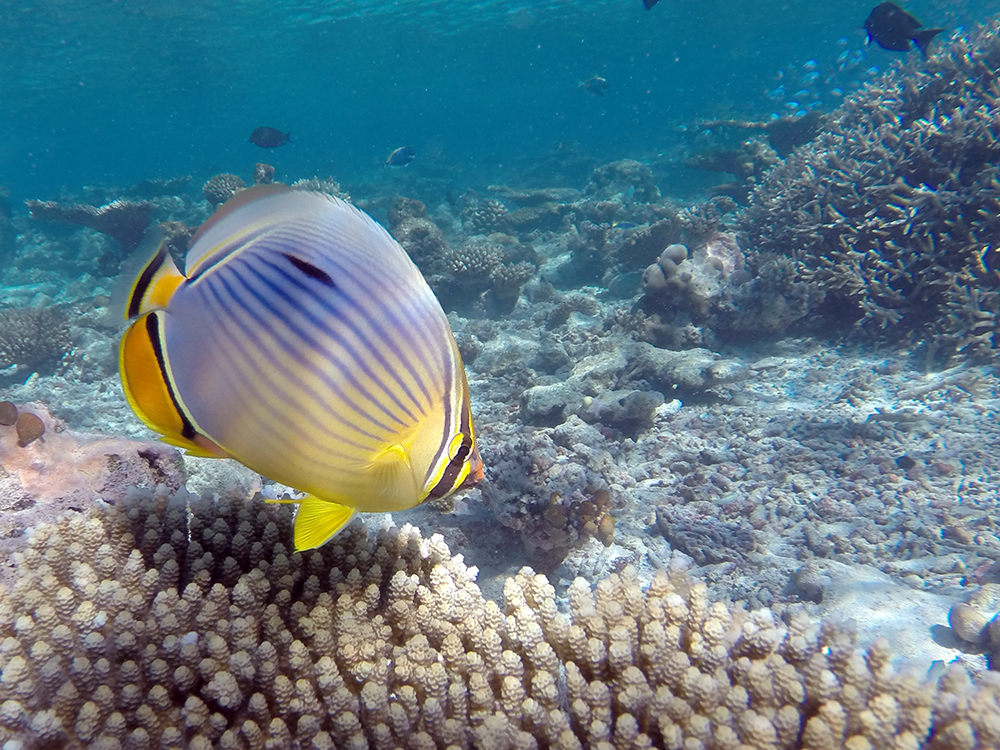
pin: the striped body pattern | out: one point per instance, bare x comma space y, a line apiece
303, 342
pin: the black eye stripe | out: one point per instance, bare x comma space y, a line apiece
447, 482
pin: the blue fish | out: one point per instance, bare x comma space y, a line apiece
401, 157
302, 341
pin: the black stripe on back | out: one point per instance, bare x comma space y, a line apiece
153, 331
145, 278
310, 270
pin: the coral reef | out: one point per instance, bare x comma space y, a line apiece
221, 187
46, 469
177, 235
484, 216
122, 633
263, 174
156, 187
122, 220
419, 236
892, 210
322, 185
624, 177
34, 339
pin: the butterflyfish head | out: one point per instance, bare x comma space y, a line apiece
476, 473
464, 468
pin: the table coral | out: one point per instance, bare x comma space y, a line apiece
123, 220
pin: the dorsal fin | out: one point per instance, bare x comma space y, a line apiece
148, 280
238, 201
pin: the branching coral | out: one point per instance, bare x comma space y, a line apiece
322, 185
120, 632
221, 187
893, 210
485, 216
34, 338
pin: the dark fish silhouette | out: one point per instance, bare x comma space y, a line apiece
266, 137
649, 3
596, 85
401, 157
892, 28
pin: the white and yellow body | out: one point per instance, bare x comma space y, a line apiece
303, 342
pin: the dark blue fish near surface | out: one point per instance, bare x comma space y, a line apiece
266, 137
401, 157
892, 28
649, 3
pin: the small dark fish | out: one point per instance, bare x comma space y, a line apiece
266, 137
649, 3
624, 225
892, 28
596, 85
401, 157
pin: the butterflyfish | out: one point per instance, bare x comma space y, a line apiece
303, 342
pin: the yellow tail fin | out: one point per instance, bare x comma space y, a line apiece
317, 521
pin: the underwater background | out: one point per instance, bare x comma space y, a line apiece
725, 278
119, 92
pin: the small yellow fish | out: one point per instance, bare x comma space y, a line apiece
302, 341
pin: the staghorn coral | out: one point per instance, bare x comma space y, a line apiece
122, 220
122, 633
221, 187
892, 210
701, 221
35, 338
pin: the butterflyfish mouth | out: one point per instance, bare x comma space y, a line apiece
476, 474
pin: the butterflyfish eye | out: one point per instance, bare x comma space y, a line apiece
459, 448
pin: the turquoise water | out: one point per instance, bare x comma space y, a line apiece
116, 91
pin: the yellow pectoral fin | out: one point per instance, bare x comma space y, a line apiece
317, 521
393, 483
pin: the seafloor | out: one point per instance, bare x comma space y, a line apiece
787, 391
792, 473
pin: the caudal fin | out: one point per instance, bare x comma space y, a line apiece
923, 38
